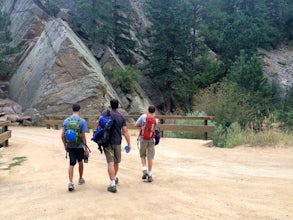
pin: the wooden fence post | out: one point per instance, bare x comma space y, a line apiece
205, 133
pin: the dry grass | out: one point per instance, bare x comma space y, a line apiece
267, 137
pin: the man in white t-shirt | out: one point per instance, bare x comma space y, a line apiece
148, 124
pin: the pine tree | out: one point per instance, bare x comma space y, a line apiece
6, 51
170, 48
107, 22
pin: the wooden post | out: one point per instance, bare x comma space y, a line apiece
162, 132
205, 133
6, 129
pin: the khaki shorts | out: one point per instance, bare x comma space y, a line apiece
147, 149
113, 153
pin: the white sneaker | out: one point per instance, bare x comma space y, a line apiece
70, 186
81, 181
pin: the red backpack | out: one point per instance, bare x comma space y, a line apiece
148, 128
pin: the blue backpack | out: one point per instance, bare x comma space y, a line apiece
102, 134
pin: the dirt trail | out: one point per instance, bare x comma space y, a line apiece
191, 181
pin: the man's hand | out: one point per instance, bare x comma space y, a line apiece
87, 150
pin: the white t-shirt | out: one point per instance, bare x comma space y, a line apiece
140, 121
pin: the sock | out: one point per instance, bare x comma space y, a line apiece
144, 169
112, 183
149, 173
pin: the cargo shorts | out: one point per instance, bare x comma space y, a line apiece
147, 150
113, 153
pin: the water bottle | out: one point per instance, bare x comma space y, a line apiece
127, 149
85, 158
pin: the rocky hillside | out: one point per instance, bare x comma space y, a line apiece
55, 68
279, 66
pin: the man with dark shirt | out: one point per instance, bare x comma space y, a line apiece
113, 151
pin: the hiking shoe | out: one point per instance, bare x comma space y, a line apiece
81, 181
70, 186
150, 179
116, 180
144, 175
112, 189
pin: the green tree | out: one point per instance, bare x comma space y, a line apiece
234, 25
122, 39
280, 15
95, 19
107, 22
125, 78
285, 110
227, 103
6, 51
247, 73
170, 49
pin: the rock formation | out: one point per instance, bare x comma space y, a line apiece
56, 69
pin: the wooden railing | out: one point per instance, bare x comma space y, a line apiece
167, 123
5, 134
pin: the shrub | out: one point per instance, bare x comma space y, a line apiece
125, 78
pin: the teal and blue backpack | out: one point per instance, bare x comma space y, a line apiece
72, 132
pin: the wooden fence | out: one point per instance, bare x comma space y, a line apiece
5, 134
167, 123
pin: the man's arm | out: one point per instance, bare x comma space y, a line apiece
63, 138
126, 135
138, 122
83, 136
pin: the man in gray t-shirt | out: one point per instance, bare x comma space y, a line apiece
147, 147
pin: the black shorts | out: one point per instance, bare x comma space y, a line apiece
75, 154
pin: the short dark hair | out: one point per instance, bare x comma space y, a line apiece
152, 109
114, 103
75, 107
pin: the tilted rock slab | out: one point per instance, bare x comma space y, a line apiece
60, 71
55, 69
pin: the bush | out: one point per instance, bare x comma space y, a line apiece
235, 136
123, 78
228, 104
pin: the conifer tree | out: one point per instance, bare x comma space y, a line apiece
6, 51
170, 48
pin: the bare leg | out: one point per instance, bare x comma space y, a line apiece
80, 168
150, 165
143, 162
116, 168
111, 171
70, 173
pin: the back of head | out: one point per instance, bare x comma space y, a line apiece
114, 103
152, 109
75, 107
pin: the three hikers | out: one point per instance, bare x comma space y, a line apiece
111, 125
